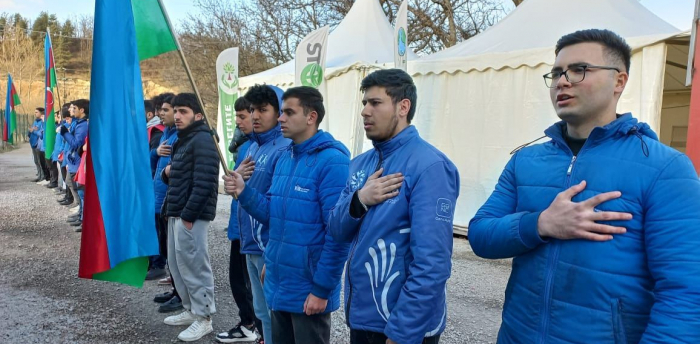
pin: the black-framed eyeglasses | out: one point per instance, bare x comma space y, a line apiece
573, 75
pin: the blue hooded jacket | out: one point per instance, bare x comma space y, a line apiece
58, 144
265, 149
641, 287
66, 147
75, 138
397, 270
234, 233
301, 256
160, 188
34, 135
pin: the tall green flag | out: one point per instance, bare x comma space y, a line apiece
153, 33
50, 117
10, 123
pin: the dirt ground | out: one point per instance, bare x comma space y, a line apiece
43, 300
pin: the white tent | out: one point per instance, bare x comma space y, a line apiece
480, 99
363, 41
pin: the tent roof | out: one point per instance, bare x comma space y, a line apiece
540, 23
365, 35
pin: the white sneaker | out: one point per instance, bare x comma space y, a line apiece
184, 318
74, 210
43, 182
196, 331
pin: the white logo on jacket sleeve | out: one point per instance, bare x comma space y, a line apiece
444, 208
357, 180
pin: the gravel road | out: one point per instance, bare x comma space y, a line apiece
43, 300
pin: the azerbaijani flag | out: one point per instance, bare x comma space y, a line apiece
50, 119
10, 122
119, 223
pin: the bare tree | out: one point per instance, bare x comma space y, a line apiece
438, 24
23, 59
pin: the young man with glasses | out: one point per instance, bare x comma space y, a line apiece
602, 222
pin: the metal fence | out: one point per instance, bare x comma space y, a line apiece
22, 124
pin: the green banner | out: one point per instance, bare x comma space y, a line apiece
228, 122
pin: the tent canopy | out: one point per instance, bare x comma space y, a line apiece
540, 23
365, 36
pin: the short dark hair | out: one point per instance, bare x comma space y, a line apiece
82, 104
309, 98
241, 104
41, 109
398, 84
162, 98
187, 100
615, 46
259, 95
65, 113
149, 106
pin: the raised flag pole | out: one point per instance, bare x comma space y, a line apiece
196, 90
58, 94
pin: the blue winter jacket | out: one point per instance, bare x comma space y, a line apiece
265, 149
301, 256
34, 135
641, 287
75, 138
66, 146
397, 270
40, 144
234, 233
160, 188
58, 144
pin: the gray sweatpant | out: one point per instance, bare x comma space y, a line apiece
188, 259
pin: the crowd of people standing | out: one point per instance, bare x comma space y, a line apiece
601, 221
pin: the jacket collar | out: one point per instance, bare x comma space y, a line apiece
624, 125
194, 127
396, 142
267, 136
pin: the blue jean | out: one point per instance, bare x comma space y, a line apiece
81, 193
255, 265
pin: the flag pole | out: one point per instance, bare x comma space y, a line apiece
194, 86
58, 93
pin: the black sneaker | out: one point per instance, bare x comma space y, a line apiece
172, 305
238, 333
154, 274
164, 297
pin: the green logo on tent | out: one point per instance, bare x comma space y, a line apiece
402, 42
229, 79
312, 75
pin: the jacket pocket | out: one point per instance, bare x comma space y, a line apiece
618, 325
312, 256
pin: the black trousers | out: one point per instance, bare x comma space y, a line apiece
240, 286
366, 337
39, 170
53, 171
158, 261
64, 172
44, 166
297, 328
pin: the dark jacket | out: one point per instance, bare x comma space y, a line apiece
194, 173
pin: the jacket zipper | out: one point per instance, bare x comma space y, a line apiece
554, 257
354, 248
347, 273
284, 213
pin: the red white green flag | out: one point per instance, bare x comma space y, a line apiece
50, 119
10, 122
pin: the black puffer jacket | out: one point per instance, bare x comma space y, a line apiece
194, 175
